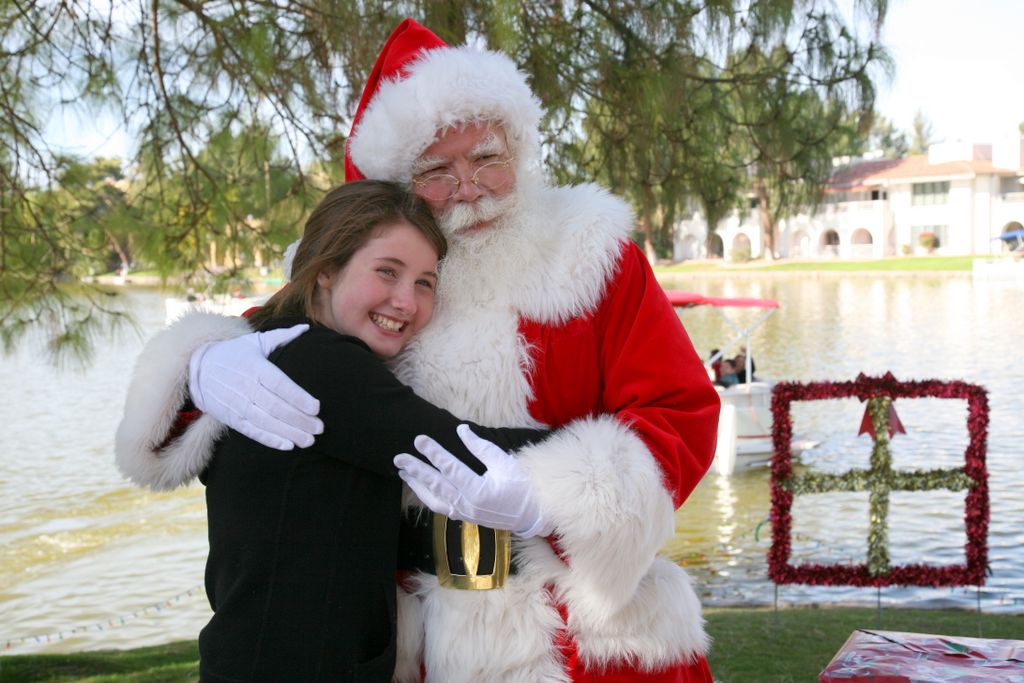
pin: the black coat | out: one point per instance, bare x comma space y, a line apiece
303, 544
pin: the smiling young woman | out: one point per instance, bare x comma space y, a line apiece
304, 546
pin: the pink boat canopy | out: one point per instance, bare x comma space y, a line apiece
688, 299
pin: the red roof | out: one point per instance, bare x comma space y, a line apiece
853, 178
866, 174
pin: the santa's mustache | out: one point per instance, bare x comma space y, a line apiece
466, 215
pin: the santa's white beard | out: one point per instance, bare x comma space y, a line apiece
462, 218
483, 260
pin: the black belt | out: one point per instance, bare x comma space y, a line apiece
416, 546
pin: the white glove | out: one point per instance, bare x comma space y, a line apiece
234, 382
501, 498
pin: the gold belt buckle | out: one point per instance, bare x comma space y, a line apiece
470, 543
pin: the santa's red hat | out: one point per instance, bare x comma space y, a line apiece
419, 86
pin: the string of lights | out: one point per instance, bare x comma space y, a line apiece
107, 624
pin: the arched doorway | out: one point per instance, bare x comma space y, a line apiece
688, 248
740, 248
1013, 236
799, 244
829, 245
862, 244
716, 249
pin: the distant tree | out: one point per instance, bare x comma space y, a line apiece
922, 136
56, 237
858, 135
244, 205
885, 137
91, 199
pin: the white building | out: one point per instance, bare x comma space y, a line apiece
873, 208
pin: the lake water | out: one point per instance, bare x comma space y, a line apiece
90, 562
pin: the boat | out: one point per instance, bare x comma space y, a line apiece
1005, 269
1008, 266
745, 423
175, 307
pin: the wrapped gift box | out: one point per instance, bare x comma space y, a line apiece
893, 657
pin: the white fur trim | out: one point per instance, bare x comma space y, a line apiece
661, 626
410, 638
491, 387
444, 87
503, 636
289, 258
577, 235
601, 488
157, 392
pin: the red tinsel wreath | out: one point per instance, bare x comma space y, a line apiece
976, 505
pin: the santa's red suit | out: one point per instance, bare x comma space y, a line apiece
549, 317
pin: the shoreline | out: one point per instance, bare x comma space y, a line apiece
671, 275
818, 274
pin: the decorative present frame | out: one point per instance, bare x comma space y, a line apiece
879, 480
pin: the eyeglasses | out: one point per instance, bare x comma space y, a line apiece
442, 186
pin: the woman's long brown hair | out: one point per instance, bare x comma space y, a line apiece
345, 219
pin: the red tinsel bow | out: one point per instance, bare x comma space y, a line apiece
867, 426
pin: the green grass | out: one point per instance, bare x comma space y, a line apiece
794, 645
170, 663
750, 646
892, 264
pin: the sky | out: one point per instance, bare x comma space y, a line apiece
960, 62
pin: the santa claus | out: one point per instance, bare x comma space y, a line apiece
547, 315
